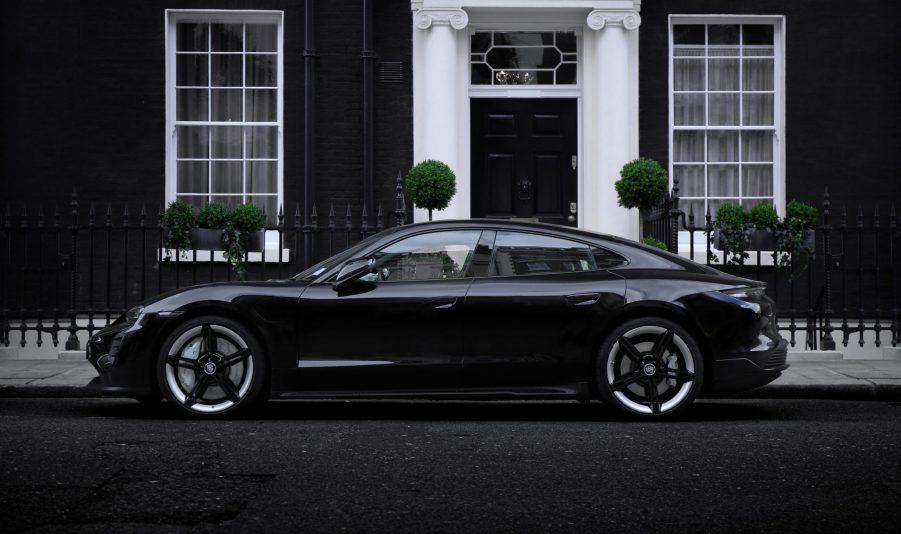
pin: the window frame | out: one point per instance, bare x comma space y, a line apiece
591, 246
778, 128
464, 271
175, 16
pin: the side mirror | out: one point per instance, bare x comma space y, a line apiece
352, 270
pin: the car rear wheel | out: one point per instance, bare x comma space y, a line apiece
649, 367
211, 366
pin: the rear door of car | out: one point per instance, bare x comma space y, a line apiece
398, 329
534, 317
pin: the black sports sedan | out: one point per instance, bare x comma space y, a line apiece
454, 309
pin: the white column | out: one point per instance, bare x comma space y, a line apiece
612, 123
438, 135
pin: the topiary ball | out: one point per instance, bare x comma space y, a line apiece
763, 216
642, 184
431, 184
213, 215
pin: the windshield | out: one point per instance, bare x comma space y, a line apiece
339, 258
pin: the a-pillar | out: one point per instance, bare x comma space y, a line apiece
612, 122
437, 136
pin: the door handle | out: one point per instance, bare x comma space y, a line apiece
582, 299
442, 303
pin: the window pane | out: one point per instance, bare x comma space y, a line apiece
757, 146
262, 37
261, 105
722, 34
688, 74
693, 207
722, 146
481, 74
519, 253
723, 109
193, 142
688, 34
226, 70
688, 146
262, 177
722, 74
191, 37
193, 177
757, 34
480, 42
227, 37
691, 180
191, 70
757, 74
566, 41
566, 74
262, 142
431, 256
757, 180
722, 180
523, 58
688, 109
191, 105
261, 70
228, 141
227, 177
226, 105
757, 110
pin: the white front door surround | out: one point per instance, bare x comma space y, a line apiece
608, 92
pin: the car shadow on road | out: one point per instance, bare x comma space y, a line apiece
388, 410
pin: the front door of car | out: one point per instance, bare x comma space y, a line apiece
534, 319
398, 328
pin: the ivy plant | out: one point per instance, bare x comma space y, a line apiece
431, 184
791, 235
178, 219
244, 219
734, 227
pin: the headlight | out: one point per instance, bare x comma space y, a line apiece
132, 315
746, 297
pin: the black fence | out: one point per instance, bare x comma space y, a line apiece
74, 270
849, 290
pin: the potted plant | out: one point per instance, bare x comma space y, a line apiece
178, 220
642, 185
794, 235
211, 222
431, 184
764, 219
732, 233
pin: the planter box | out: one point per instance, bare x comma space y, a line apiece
211, 239
206, 239
764, 240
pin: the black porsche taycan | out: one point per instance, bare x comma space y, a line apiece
454, 309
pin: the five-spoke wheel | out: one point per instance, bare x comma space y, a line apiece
210, 366
649, 367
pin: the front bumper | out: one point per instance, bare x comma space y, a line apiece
123, 356
752, 369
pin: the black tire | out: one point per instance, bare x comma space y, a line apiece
211, 366
649, 367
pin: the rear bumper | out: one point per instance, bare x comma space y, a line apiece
740, 372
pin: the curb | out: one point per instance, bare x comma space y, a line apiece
48, 391
866, 391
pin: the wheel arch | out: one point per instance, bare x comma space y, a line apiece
662, 310
219, 309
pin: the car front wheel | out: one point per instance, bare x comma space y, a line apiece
211, 366
649, 367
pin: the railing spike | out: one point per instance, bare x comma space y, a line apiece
24, 221
109, 214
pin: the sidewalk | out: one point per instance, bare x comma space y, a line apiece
823, 379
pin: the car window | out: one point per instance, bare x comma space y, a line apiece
518, 253
432, 256
604, 259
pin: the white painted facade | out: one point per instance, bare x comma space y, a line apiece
607, 93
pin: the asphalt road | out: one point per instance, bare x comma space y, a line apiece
751, 465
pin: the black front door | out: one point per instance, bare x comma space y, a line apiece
523, 157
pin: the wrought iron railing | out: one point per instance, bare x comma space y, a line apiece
848, 292
70, 272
